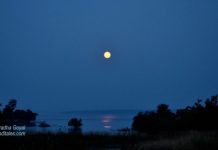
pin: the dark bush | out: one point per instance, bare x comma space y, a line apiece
196, 117
10, 116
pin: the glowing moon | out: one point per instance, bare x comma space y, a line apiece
107, 55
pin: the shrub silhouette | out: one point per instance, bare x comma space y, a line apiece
10, 116
74, 122
196, 117
43, 124
162, 120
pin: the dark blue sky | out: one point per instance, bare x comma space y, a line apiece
163, 51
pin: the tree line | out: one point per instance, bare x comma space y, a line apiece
200, 116
9, 115
12, 116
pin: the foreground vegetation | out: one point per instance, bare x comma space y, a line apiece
191, 128
197, 117
189, 140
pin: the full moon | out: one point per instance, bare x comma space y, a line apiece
107, 55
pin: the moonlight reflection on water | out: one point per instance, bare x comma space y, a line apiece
107, 120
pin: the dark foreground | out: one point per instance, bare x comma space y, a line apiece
192, 140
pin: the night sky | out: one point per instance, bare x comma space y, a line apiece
163, 51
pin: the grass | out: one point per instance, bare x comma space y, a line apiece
191, 140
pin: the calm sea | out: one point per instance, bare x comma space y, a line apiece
93, 121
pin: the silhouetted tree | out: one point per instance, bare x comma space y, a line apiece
74, 122
144, 122
196, 117
25, 117
7, 114
10, 106
165, 118
211, 112
10, 116
153, 122
184, 117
